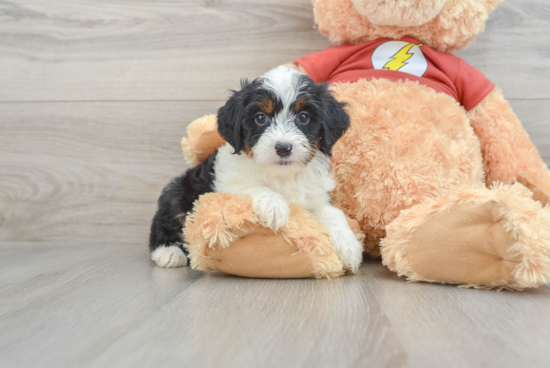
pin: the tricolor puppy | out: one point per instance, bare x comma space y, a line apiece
280, 130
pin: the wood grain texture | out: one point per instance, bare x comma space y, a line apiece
88, 171
146, 50
91, 172
194, 50
94, 305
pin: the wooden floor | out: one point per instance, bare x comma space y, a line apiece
99, 305
95, 96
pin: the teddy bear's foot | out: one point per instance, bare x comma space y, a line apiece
498, 238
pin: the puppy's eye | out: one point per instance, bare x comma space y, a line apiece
303, 117
261, 119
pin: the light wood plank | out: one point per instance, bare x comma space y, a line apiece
91, 172
534, 116
97, 305
510, 50
195, 50
143, 50
97, 168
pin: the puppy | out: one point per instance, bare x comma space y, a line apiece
279, 130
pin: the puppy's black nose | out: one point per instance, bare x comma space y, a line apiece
283, 149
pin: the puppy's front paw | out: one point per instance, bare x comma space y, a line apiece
272, 210
169, 256
348, 248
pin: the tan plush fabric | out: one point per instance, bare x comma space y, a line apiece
202, 139
472, 259
372, 246
466, 244
406, 143
224, 234
401, 13
454, 28
257, 252
538, 195
508, 152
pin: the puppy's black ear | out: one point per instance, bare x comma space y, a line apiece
336, 120
230, 118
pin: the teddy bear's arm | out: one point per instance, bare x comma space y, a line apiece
203, 137
509, 155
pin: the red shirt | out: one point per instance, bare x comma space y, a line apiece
398, 60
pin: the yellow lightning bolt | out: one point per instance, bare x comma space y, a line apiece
399, 59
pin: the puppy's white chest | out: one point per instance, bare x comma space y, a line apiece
309, 187
307, 191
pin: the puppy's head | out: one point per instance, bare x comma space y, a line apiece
282, 118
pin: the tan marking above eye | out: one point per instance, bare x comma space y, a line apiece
300, 103
266, 106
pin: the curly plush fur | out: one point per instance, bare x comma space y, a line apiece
202, 139
517, 159
400, 150
525, 219
454, 28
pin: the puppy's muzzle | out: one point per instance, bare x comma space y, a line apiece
283, 149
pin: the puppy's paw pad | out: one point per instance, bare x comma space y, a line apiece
170, 256
272, 211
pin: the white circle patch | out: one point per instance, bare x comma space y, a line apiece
400, 56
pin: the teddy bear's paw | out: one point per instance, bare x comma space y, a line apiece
170, 256
272, 210
348, 248
483, 238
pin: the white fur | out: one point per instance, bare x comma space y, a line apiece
307, 185
271, 207
285, 132
169, 256
348, 248
285, 83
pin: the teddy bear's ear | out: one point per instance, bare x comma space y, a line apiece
230, 118
336, 121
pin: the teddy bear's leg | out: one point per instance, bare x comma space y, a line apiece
477, 237
508, 153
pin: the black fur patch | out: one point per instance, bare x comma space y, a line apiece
177, 200
236, 118
329, 120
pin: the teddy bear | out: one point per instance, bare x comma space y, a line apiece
436, 174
